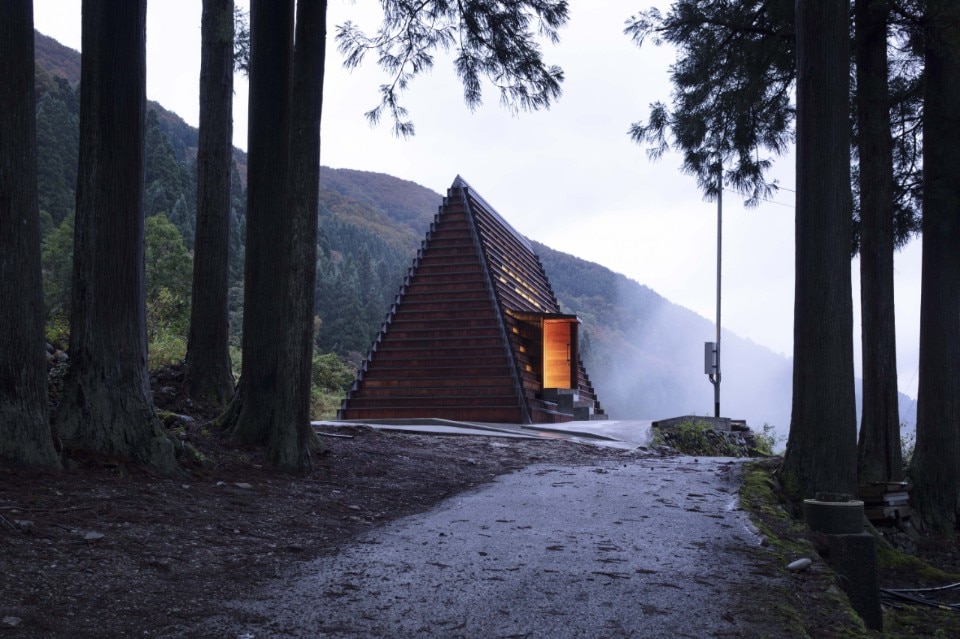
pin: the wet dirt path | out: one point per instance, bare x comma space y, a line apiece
648, 548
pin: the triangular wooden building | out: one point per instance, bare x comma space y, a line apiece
475, 333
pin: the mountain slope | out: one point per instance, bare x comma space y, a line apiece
644, 354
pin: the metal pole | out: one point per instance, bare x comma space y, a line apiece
716, 389
715, 379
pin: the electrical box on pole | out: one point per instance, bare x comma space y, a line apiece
710, 358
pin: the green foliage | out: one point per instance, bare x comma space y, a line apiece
168, 183
57, 330
169, 264
494, 40
759, 495
345, 325
238, 227
355, 285
908, 443
330, 373
732, 89
324, 405
56, 259
168, 279
732, 100
165, 349
236, 360
241, 40
168, 276
689, 437
58, 140
695, 437
181, 137
767, 440
332, 378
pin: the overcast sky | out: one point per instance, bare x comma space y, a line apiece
568, 177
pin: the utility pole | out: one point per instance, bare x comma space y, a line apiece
715, 375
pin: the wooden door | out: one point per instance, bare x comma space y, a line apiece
559, 353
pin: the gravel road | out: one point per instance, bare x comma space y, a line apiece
652, 547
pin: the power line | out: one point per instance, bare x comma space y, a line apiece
769, 201
789, 206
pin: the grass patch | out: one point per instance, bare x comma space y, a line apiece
810, 602
696, 437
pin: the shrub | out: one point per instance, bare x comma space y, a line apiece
908, 441
166, 349
332, 378
696, 437
765, 442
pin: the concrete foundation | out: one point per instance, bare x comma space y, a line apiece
851, 552
834, 517
854, 557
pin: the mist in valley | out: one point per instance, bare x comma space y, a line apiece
654, 367
645, 354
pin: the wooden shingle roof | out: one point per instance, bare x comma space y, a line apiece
464, 337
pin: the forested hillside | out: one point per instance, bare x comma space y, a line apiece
370, 224
644, 354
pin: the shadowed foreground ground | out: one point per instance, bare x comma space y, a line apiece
238, 550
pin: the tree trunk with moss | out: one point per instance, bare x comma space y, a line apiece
208, 373
107, 405
821, 453
24, 428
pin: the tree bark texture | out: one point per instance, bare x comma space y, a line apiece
936, 471
879, 455
265, 410
208, 374
24, 428
821, 453
107, 405
308, 70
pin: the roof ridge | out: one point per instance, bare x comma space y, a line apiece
459, 182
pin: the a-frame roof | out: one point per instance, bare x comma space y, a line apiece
463, 339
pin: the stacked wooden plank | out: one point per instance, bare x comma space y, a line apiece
885, 502
451, 346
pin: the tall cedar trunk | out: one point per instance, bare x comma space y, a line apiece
879, 457
309, 61
821, 451
936, 473
24, 429
107, 405
265, 409
208, 374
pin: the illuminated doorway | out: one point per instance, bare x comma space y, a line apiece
560, 352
